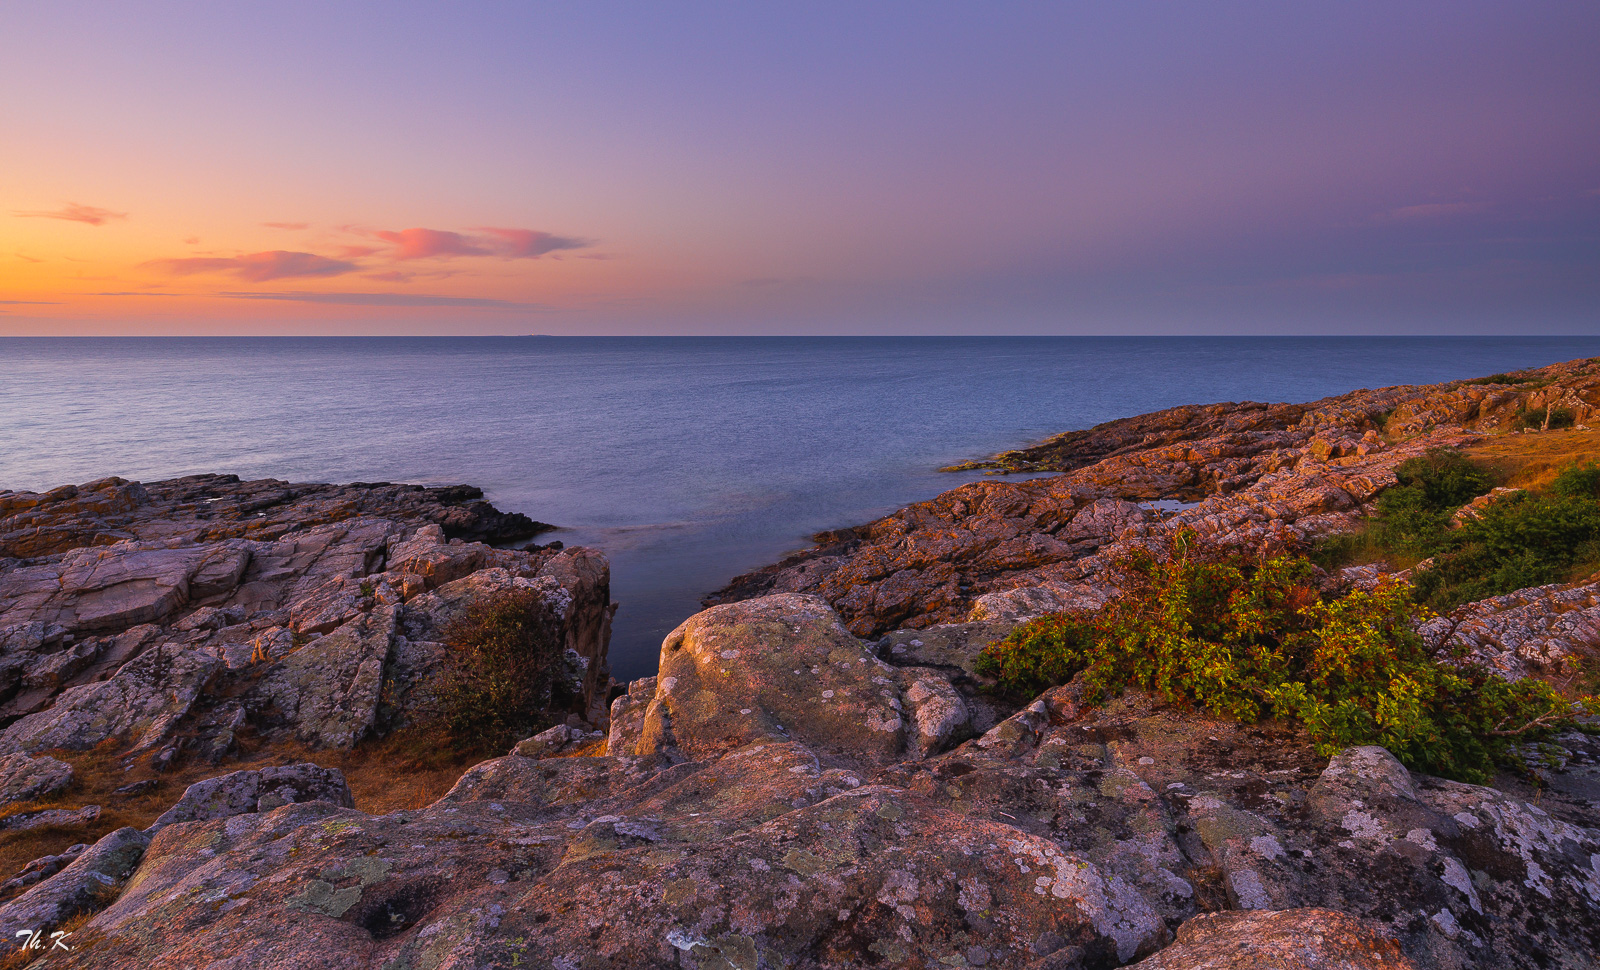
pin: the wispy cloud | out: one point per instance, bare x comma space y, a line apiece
277, 264
389, 300
287, 225
30, 302
419, 243
528, 243
73, 212
408, 275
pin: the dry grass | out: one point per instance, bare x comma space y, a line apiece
408, 770
1532, 460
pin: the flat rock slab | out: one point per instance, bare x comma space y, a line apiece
25, 779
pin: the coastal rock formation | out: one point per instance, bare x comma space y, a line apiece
816, 777
171, 616
748, 821
1249, 473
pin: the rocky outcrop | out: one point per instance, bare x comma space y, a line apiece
1543, 629
1250, 473
816, 777
1291, 939
247, 792
171, 616
203, 509
89, 882
744, 819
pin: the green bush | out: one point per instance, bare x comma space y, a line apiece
1578, 481
1413, 516
1246, 636
1443, 479
1522, 540
502, 671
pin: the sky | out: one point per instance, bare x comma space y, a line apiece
817, 168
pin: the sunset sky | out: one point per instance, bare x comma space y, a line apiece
599, 168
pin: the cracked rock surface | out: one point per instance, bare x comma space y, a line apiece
733, 826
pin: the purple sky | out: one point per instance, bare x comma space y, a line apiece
761, 168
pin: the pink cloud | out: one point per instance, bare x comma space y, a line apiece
73, 212
427, 243
258, 267
419, 243
286, 225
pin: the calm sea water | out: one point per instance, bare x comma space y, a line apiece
688, 460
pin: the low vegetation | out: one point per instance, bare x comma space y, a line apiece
1532, 461
502, 672
1524, 538
1248, 636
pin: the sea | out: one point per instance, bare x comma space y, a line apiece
687, 460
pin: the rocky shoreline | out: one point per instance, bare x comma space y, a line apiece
816, 777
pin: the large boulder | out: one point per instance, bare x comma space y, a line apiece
1293, 939
776, 668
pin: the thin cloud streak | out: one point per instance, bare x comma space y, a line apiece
388, 300
287, 225
73, 212
277, 264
